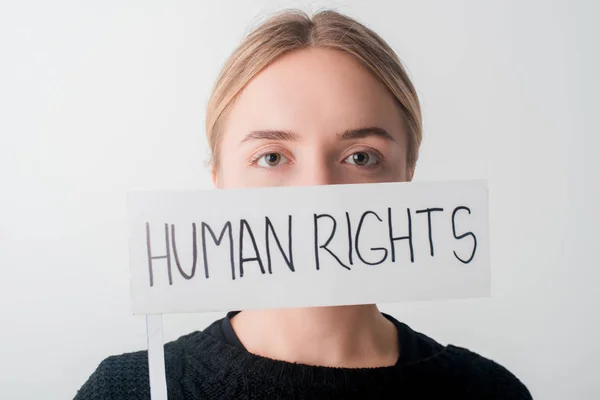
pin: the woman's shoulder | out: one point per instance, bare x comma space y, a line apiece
431, 366
118, 376
125, 376
477, 374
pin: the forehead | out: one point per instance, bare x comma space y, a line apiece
314, 91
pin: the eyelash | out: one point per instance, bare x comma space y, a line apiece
253, 160
371, 152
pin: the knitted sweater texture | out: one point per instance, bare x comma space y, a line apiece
198, 366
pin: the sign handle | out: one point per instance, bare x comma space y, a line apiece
156, 357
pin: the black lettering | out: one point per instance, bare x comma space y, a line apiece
464, 235
429, 211
226, 228
407, 237
269, 228
349, 238
324, 246
244, 223
151, 257
358, 230
194, 252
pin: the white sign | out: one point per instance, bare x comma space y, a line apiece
220, 250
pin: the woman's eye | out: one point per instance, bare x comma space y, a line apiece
271, 160
362, 159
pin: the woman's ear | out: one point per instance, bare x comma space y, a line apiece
410, 173
214, 176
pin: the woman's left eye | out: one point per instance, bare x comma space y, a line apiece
362, 159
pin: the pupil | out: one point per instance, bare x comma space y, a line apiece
361, 158
272, 158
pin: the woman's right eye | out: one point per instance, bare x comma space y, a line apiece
270, 160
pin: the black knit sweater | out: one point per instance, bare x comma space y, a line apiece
202, 366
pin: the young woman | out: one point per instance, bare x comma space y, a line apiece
311, 101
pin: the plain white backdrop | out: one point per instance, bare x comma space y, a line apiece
97, 98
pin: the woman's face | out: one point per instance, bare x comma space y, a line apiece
313, 117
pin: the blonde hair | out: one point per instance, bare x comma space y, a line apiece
294, 30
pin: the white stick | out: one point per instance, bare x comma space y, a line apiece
156, 357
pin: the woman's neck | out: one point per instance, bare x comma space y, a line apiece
342, 336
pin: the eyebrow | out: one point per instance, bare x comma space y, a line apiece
362, 133
271, 134
289, 136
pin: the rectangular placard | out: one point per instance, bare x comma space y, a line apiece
220, 250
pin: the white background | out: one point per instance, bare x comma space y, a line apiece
99, 97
